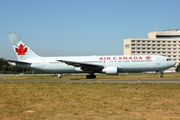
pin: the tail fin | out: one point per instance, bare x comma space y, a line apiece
22, 50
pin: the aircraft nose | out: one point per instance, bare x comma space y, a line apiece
173, 63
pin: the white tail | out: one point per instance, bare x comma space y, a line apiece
22, 50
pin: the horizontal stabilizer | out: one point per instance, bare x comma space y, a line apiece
19, 62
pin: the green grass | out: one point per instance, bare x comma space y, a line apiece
76, 101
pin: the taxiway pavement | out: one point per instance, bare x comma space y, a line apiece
172, 81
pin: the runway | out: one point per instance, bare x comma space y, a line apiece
171, 81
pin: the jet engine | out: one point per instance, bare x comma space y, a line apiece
110, 70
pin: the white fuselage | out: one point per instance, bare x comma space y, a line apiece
131, 63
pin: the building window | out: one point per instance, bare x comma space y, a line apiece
138, 44
127, 46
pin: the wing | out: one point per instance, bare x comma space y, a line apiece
83, 66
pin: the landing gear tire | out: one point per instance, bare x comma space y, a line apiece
161, 75
59, 75
90, 76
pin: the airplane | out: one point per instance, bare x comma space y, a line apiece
108, 64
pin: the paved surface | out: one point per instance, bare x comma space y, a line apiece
172, 81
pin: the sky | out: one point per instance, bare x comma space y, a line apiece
82, 27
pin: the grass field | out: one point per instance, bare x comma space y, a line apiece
82, 101
72, 101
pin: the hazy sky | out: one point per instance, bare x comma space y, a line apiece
83, 27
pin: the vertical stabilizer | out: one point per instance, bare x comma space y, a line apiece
21, 49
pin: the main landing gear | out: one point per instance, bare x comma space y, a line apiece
90, 76
161, 74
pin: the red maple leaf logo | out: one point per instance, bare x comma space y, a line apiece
21, 50
148, 57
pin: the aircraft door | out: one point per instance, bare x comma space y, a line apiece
158, 61
43, 63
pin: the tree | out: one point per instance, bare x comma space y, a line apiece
4, 65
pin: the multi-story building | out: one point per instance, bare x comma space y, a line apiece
166, 43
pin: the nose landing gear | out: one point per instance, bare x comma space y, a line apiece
161, 74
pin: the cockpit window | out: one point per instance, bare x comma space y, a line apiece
168, 60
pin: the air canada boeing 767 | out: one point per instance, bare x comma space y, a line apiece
109, 64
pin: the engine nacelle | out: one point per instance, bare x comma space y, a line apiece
110, 70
